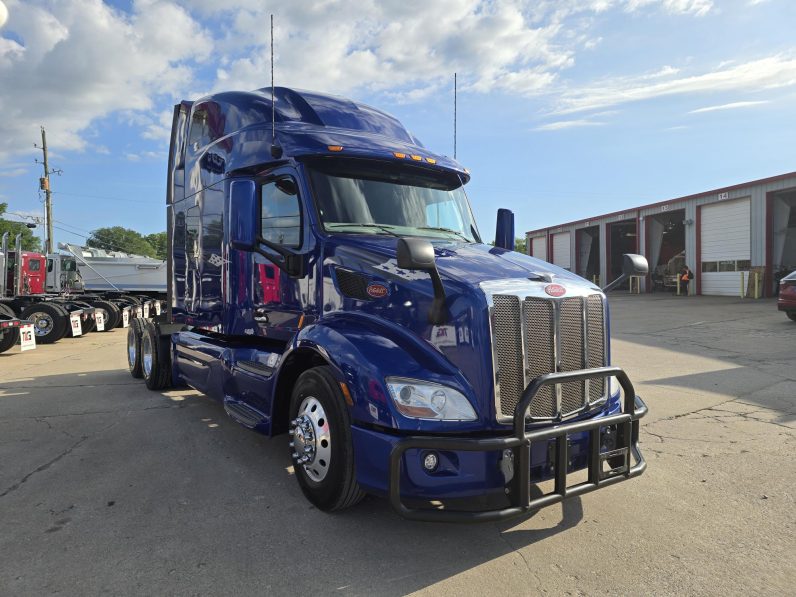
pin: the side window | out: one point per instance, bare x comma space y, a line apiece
49, 265
280, 213
34, 265
200, 132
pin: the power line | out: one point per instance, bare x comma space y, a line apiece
81, 195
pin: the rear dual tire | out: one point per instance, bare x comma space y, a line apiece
111, 313
50, 321
155, 357
134, 348
11, 335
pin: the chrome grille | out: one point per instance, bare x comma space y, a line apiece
508, 350
538, 326
533, 336
571, 357
595, 353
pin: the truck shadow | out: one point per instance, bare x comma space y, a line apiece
221, 497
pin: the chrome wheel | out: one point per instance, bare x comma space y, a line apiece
42, 323
310, 439
146, 354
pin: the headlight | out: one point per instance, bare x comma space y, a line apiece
425, 400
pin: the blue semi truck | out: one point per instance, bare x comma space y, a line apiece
327, 280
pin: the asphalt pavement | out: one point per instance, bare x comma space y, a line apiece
108, 488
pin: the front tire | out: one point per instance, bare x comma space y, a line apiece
321, 447
791, 315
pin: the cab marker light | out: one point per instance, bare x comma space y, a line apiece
417, 158
431, 160
399, 155
335, 148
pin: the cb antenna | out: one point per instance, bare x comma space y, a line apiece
454, 115
276, 151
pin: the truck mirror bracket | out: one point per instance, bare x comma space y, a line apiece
418, 254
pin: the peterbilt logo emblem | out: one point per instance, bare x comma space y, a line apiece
377, 290
555, 290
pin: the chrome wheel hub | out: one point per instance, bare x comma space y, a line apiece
310, 439
42, 323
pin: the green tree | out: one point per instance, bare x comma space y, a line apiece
159, 242
118, 238
30, 242
519, 245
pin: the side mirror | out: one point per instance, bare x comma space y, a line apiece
418, 254
632, 265
243, 215
504, 231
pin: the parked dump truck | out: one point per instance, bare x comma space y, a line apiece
138, 296
327, 279
23, 291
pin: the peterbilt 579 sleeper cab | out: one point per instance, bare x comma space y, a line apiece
328, 280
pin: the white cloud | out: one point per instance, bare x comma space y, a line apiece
568, 124
697, 8
13, 172
756, 75
82, 60
70, 64
731, 106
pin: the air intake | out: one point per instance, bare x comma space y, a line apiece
352, 284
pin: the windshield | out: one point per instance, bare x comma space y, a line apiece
358, 197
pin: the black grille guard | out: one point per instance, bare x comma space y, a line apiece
626, 423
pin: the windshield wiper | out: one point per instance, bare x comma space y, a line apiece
440, 229
383, 227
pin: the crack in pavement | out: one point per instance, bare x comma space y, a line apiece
47, 465
717, 418
42, 418
84, 385
43, 467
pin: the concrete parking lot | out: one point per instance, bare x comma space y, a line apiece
107, 488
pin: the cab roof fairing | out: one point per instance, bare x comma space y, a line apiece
308, 122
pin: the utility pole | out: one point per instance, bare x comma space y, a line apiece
44, 184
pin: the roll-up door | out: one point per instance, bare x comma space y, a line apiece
725, 246
539, 247
561, 252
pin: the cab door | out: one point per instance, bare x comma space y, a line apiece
279, 300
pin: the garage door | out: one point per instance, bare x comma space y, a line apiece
561, 253
726, 246
539, 247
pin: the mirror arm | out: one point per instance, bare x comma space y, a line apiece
437, 314
615, 283
287, 264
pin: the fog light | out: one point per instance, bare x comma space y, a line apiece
430, 461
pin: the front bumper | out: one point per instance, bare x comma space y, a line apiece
625, 449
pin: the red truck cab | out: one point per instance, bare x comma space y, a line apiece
32, 273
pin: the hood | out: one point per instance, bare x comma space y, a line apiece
473, 263
404, 298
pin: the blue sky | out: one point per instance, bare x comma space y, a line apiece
567, 108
